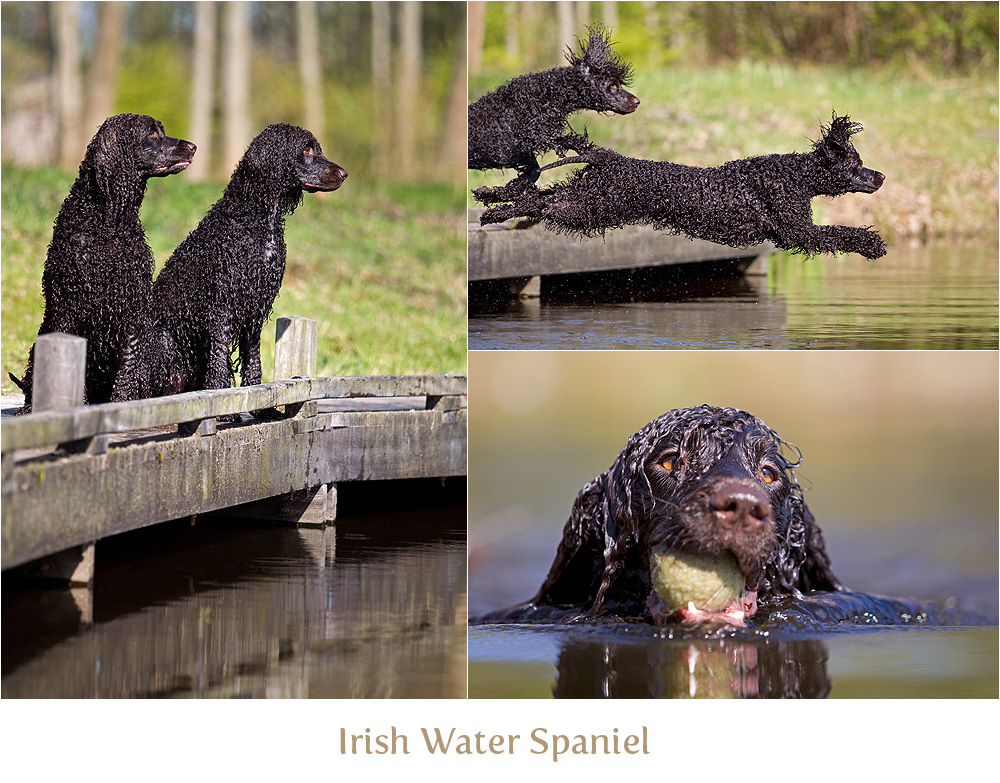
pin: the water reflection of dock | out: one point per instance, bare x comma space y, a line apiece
212, 611
77, 475
509, 260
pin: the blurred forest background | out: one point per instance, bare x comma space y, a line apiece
380, 263
380, 84
726, 80
925, 37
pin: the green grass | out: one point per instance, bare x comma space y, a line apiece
934, 139
382, 269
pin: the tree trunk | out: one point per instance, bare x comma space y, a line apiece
567, 27
477, 35
104, 70
408, 68
382, 88
236, 81
609, 13
512, 42
69, 84
453, 148
203, 89
310, 69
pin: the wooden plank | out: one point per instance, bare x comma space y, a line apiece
313, 507
54, 427
512, 251
50, 504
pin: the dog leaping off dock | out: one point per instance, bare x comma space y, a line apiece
740, 203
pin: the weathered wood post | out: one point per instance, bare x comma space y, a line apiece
60, 373
294, 347
59, 383
295, 357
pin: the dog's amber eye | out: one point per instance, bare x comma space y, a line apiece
768, 474
309, 151
670, 462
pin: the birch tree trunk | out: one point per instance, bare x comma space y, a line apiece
104, 70
203, 89
310, 69
453, 147
408, 96
69, 84
382, 88
236, 84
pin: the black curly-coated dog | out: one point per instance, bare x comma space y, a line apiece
740, 203
704, 480
99, 268
216, 290
529, 115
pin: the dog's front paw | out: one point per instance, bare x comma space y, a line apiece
872, 246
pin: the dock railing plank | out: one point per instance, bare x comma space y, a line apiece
50, 428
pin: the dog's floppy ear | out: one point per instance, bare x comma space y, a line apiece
577, 574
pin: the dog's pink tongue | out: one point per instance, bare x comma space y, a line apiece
735, 614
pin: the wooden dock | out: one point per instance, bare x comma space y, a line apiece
510, 260
76, 475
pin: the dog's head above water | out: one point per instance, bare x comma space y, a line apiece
708, 487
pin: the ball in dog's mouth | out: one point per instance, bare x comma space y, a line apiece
694, 587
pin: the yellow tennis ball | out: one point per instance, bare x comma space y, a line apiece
709, 581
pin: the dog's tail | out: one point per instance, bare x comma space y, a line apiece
17, 381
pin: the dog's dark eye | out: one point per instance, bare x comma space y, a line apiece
768, 474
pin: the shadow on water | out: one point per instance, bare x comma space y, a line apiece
938, 296
373, 607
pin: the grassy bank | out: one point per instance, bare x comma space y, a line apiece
935, 139
381, 269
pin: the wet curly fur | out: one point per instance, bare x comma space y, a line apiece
700, 479
740, 203
217, 289
530, 114
99, 268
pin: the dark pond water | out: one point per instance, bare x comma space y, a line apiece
937, 296
372, 608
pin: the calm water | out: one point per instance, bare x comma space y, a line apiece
783, 659
529, 662
938, 296
373, 608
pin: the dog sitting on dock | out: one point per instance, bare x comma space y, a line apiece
529, 114
740, 203
99, 268
216, 290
